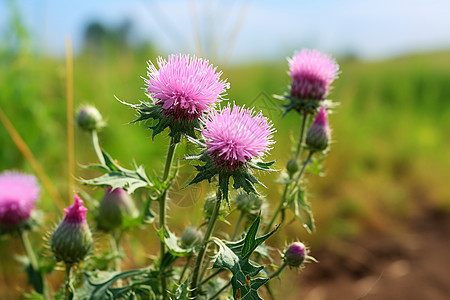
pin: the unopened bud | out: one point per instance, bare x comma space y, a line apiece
248, 202
318, 136
72, 239
292, 167
89, 118
191, 236
295, 254
115, 205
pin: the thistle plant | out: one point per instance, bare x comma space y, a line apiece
230, 145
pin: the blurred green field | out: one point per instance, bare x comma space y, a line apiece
389, 161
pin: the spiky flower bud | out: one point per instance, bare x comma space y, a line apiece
115, 205
248, 202
191, 236
295, 254
72, 239
292, 167
89, 118
318, 136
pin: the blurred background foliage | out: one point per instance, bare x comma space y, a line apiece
389, 161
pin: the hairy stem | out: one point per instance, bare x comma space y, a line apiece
67, 281
96, 146
162, 209
201, 254
305, 163
278, 209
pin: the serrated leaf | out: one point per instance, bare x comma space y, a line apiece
235, 256
119, 177
171, 241
97, 285
302, 209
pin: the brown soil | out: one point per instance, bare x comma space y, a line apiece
414, 265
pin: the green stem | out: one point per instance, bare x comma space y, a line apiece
34, 262
188, 260
298, 153
210, 277
278, 209
67, 279
305, 163
202, 252
280, 269
219, 292
238, 224
96, 146
162, 209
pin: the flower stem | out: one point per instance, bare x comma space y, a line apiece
188, 261
305, 163
238, 224
162, 209
280, 269
298, 153
96, 146
210, 277
219, 292
67, 283
114, 242
278, 209
202, 252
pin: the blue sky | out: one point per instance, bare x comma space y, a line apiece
237, 31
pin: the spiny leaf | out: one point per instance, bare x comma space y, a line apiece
171, 241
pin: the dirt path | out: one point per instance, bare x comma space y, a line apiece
415, 265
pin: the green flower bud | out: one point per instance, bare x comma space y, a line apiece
292, 167
191, 237
115, 205
72, 239
89, 118
248, 202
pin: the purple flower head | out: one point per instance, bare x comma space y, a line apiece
312, 73
236, 135
18, 193
75, 213
295, 254
318, 136
185, 86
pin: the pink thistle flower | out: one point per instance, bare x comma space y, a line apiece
18, 193
318, 135
76, 213
185, 86
236, 135
312, 73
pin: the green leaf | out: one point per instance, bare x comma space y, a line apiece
234, 256
119, 177
302, 209
172, 243
97, 285
35, 277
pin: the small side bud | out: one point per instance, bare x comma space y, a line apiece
292, 167
115, 205
72, 239
295, 254
191, 237
89, 118
318, 136
248, 202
